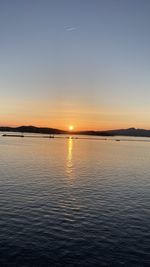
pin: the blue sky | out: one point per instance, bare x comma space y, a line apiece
83, 62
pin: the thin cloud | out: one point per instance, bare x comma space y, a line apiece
70, 29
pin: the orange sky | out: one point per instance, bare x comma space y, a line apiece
61, 116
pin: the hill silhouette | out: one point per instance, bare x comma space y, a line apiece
32, 129
131, 132
45, 130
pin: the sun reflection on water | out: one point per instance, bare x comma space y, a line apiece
70, 158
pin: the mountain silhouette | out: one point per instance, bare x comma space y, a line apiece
46, 130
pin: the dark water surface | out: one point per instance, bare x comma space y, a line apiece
67, 202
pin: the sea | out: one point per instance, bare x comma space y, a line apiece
74, 201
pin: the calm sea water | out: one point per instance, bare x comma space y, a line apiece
67, 202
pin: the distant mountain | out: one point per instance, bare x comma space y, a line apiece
44, 130
32, 129
131, 132
119, 132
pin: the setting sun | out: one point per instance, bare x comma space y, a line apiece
71, 128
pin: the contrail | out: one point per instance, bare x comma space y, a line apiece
69, 29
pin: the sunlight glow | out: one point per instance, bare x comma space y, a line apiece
71, 128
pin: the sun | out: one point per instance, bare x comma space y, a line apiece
71, 128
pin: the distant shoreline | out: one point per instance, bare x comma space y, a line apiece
52, 131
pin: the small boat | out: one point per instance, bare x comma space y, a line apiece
13, 135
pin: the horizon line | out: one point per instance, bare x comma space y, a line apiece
74, 131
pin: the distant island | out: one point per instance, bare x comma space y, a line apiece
46, 130
32, 129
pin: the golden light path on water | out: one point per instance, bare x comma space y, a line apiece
70, 158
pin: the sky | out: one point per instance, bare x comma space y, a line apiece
75, 62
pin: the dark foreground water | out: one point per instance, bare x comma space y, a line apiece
74, 202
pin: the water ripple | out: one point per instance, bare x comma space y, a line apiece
74, 203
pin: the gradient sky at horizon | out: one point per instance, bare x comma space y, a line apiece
79, 62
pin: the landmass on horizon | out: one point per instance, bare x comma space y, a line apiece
45, 130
